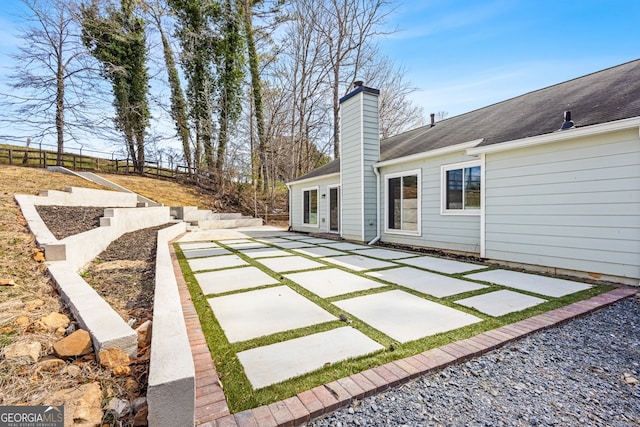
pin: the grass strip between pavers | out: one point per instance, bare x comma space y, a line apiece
238, 391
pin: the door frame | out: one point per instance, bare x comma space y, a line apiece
338, 210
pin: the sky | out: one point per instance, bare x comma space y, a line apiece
466, 54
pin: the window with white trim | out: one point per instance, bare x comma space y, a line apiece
403, 201
462, 186
310, 206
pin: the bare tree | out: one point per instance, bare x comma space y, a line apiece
52, 79
397, 111
348, 29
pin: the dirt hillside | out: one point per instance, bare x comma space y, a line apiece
31, 373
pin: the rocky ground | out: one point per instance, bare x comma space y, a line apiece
113, 387
584, 373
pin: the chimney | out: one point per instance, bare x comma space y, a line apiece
433, 119
359, 151
568, 123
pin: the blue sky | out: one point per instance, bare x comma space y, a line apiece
466, 54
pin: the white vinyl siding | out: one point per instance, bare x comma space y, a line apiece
570, 205
296, 206
360, 149
458, 233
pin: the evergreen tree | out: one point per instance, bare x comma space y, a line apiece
117, 39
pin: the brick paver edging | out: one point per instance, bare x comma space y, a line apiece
211, 405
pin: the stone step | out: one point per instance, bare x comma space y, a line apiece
192, 214
214, 224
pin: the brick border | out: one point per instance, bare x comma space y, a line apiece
211, 405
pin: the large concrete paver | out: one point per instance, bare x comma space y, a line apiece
212, 263
291, 263
319, 251
405, 317
261, 312
346, 246
442, 265
500, 302
318, 241
332, 282
246, 245
277, 362
228, 280
384, 253
198, 245
205, 252
433, 284
264, 252
294, 244
358, 262
549, 286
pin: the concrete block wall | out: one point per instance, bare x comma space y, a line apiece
81, 248
171, 389
95, 315
78, 196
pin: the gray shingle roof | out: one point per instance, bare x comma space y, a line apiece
605, 96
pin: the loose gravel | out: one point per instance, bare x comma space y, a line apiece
580, 374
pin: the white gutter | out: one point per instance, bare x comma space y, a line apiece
431, 153
558, 136
378, 227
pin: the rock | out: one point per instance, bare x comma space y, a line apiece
140, 419
72, 370
121, 371
82, 405
131, 386
144, 333
50, 323
116, 360
120, 408
38, 255
21, 321
138, 403
630, 379
32, 305
76, 344
7, 282
26, 351
52, 364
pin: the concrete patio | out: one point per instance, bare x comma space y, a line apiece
398, 297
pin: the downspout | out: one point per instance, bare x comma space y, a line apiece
290, 220
378, 228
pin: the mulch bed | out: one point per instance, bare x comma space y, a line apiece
123, 274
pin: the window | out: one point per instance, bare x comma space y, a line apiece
461, 188
310, 206
403, 202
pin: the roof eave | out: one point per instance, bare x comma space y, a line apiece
431, 153
313, 178
558, 136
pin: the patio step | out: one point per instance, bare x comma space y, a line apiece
208, 220
215, 224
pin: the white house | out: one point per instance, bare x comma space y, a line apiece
549, 180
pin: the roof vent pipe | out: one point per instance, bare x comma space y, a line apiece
568, 123
433, 119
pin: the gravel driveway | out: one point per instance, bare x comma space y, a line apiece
580, 374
